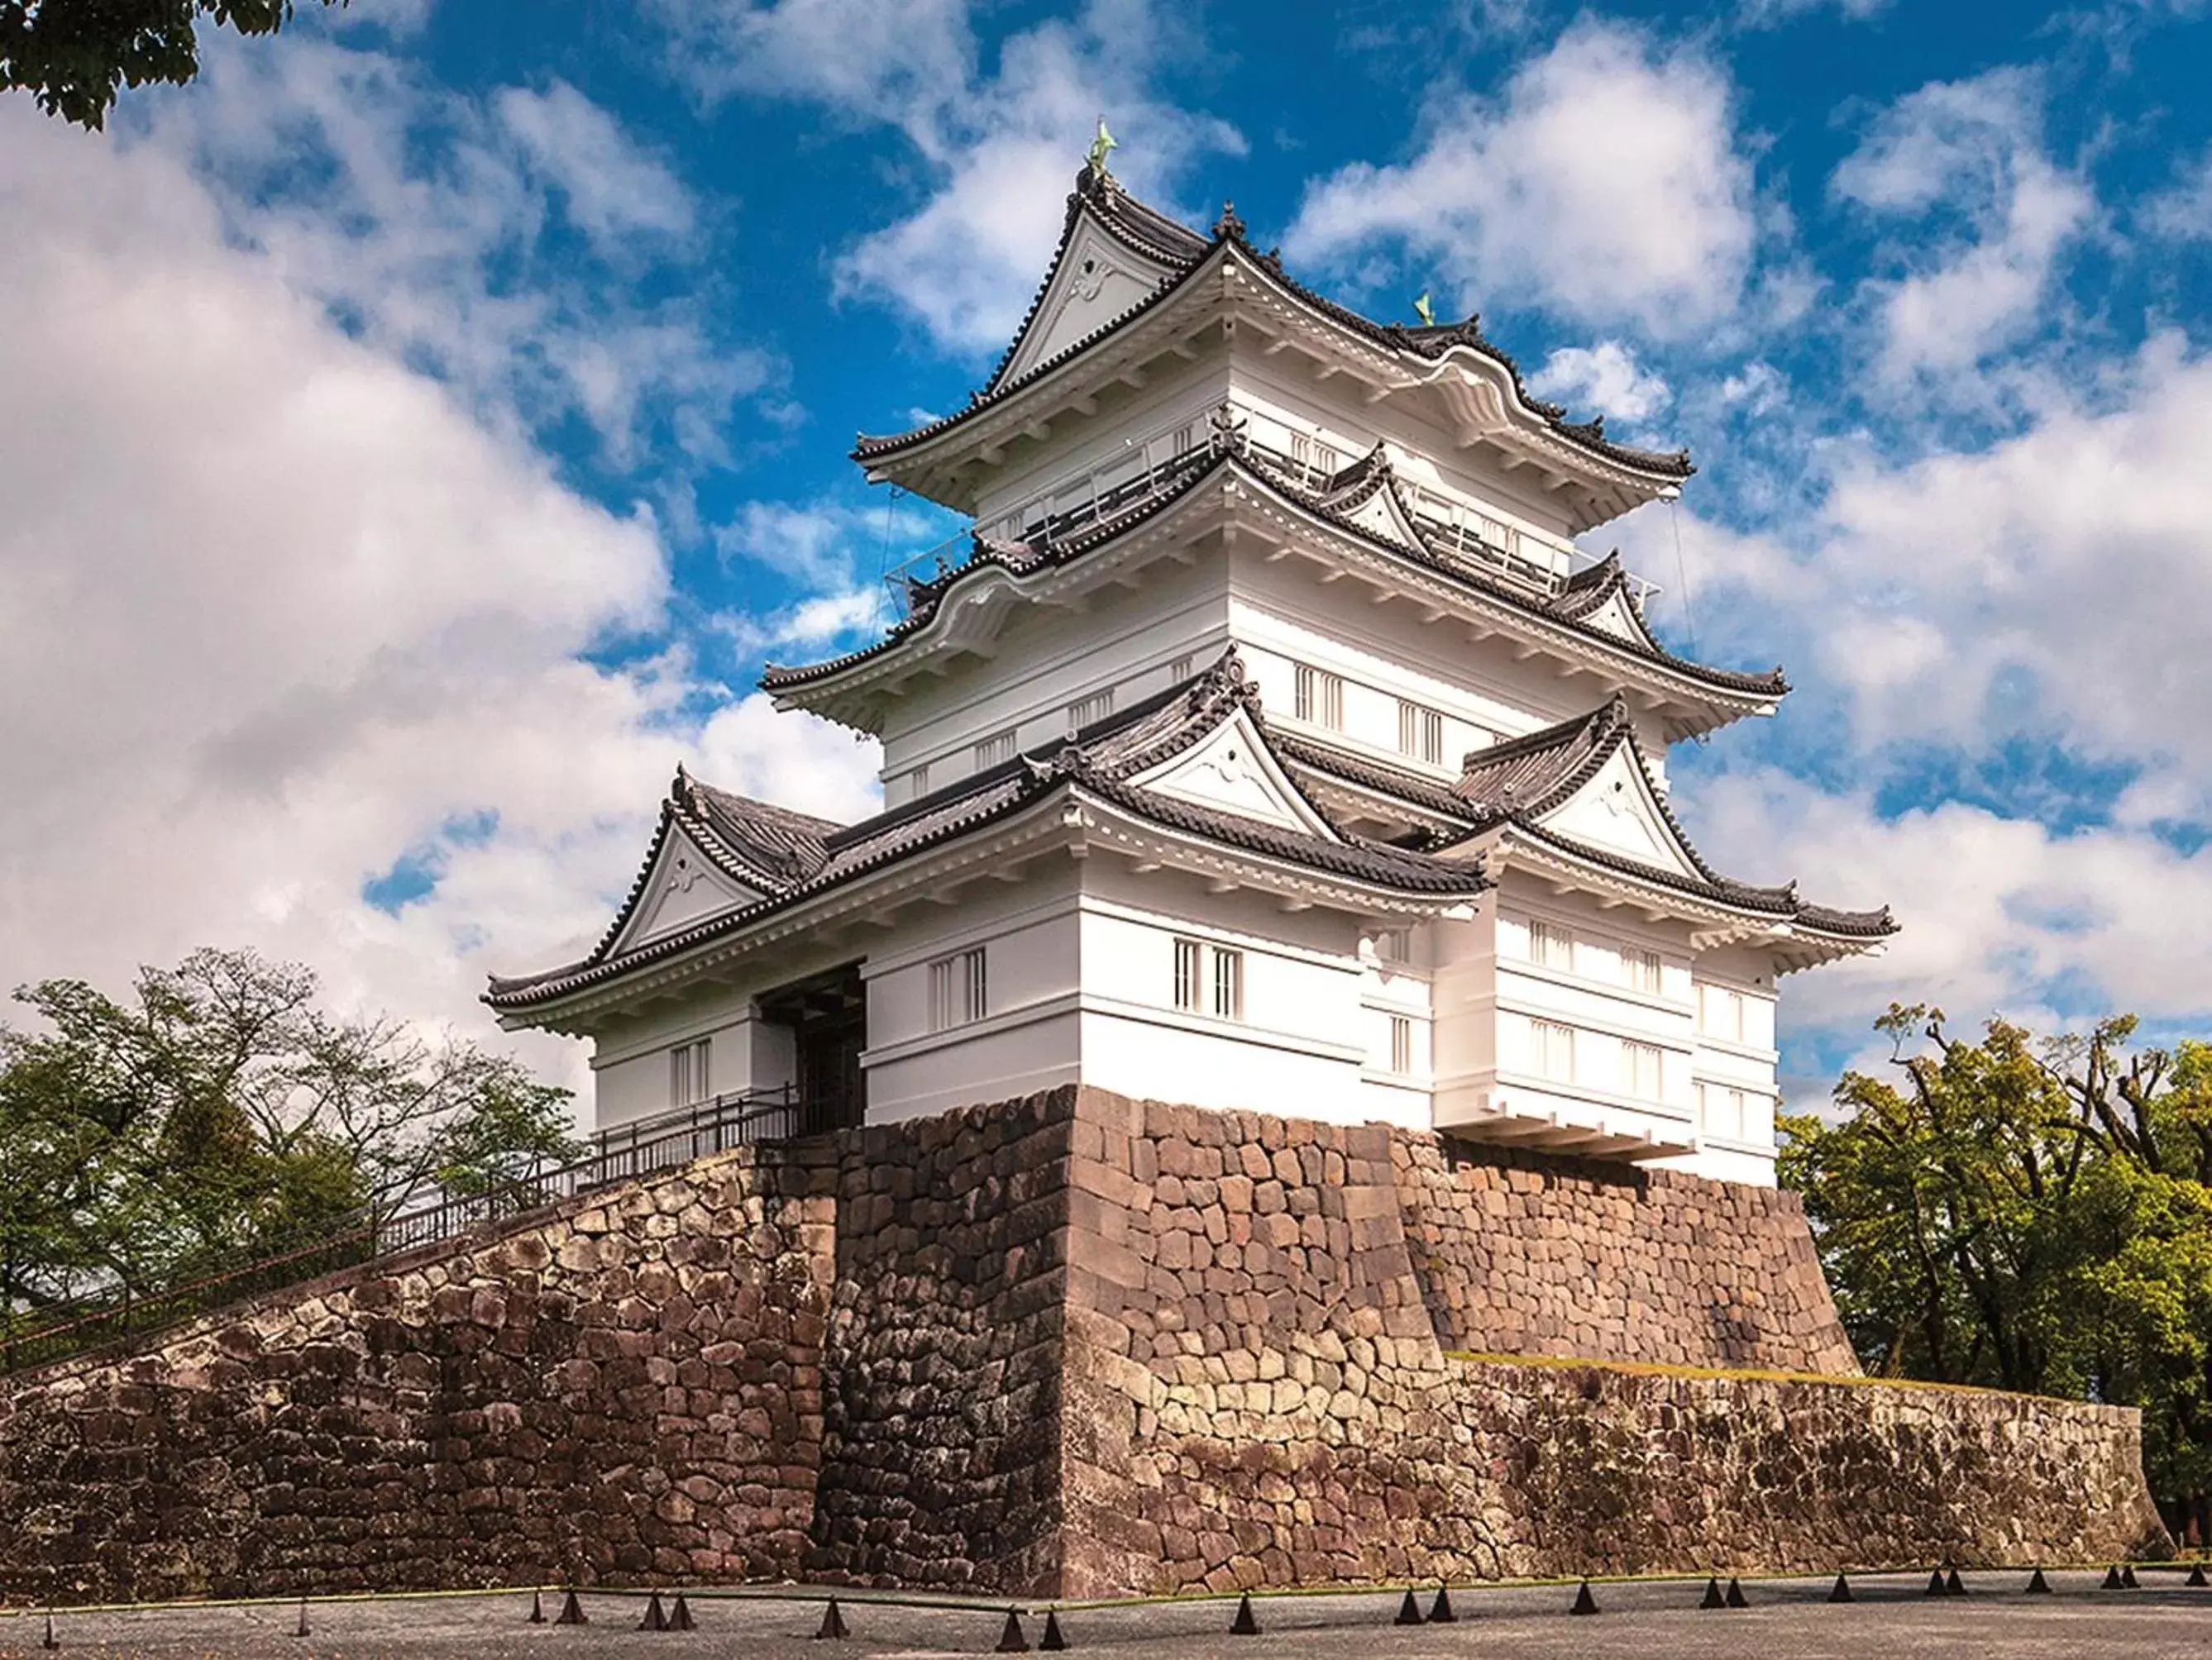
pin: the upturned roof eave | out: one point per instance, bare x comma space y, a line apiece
1692, 687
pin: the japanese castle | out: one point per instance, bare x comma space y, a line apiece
1268, 745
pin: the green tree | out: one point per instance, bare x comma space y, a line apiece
2032, 1214
74, 56
217, 1116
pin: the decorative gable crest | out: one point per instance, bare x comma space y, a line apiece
1232, 770
682, 886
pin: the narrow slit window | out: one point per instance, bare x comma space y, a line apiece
1189, 976
997, 747
1550, 945
1086, 711
1640, 1072
1555, 1046
1644, 969
1228, 984
958, 992
1402, 1045
688, 1081
1420, 733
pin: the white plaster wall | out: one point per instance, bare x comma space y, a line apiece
1046, 659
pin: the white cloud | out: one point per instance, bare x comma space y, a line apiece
1772, 14
615, 189
1999, 914
279, 607
1000, 143
1609, 184
2183, 211
420, 217
1967, 154
1607, 377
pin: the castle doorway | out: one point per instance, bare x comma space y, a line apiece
827, 1015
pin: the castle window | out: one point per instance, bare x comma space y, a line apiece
689, 1079
1179, 671
1552, 945
1554, 1049
1643, 969
918, 781
1420, 733
999, 746
1229, 984
1723, 1008
957, 990
1318, 696
1085, 711
1189, 976
1721, 1111
1640, 1075
1402, 1045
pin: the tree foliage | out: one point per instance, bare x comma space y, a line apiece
2029, 1214
74, 56
216, 1115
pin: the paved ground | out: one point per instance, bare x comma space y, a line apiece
1647, 1621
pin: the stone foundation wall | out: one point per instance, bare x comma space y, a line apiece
1070, 1345
630, 1387
1519, 1254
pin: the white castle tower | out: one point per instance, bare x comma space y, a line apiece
1267, 746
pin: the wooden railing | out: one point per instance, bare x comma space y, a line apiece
129, 1315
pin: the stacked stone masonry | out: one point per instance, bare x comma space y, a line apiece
1071, 1345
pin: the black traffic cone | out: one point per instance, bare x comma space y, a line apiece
1736, 1596
52, 1641
572, 1611
2037, 1584
1954, 1586
302, 1630
2128, 1577
679, 1617
2196, 1580
1842, 1592
833, 1623
2112, 1579
1712, 1598
1440, 1611
1584, 1602
656, 1617
1244, 1625
1052, 1642
1934, 1584
1012, 1640
536, 1607
1409, 1611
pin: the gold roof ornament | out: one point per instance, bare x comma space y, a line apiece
1424, 311
1100, 145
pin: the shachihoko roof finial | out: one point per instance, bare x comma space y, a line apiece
1100, 145
1424, 310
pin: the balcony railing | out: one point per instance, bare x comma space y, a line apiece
129, 1315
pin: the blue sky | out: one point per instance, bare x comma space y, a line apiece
425, 426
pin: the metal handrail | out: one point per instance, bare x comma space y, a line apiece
749, 1118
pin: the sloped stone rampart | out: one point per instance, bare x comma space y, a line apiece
1519, 1254
1069, 1345
629, 1387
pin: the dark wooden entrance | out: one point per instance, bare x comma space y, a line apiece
828, 1014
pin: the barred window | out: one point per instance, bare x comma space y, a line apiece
1420, 733
1552, 946
1189, 976
1319, 697
1643, 969
999, 746
1180, 670
1640, 1073
1095, 707
1402, 1045
957, 990
1228, 984
1554, 1047
689, 1079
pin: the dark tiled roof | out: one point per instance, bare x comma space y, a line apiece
1155, 233
1345, 492
1102, 760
